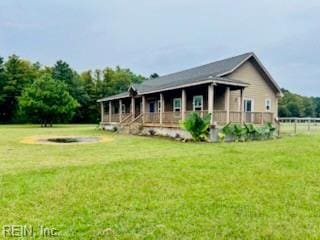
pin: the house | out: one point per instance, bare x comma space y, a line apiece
237, 89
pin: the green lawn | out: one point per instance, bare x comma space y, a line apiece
150, 188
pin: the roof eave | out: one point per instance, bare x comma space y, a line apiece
111, 98
236, 67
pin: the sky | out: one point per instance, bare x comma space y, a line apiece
166, 36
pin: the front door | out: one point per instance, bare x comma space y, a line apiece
248, 108
152, 107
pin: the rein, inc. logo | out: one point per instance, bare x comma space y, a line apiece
19, 231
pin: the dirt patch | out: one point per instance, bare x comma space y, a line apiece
64, 140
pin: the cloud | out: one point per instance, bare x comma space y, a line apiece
167, 36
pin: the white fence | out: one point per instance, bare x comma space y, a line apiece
299, 125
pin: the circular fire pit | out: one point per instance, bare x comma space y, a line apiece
64, 140
71, 139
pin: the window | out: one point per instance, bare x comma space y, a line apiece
267, 105
177, 104
198, 103
123, 108
248, 105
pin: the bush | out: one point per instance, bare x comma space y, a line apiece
247, 132
198, 127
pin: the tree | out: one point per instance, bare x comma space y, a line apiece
118, 80
316, 102
16, 75
47, 101
308, 107
295, 105
62, 72
2, 94
91, 109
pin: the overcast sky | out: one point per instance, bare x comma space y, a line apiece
165, 36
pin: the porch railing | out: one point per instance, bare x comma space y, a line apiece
257, 117
115, 117
171, 117
151, 117
235, 117
105, 118
201, 113
268, 117
219, 116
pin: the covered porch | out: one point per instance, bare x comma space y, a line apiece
167, 108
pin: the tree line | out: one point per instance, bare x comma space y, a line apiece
31, 92
295, 105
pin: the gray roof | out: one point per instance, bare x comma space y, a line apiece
117, 96
209, 72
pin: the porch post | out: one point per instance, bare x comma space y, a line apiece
276, 108
110, 110
227, 104
241, 106
161, 108
120, 110
183, 104
211, 101
102, 111
133, 108
143, 107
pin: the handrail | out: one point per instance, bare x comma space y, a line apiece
134, 120
126, 118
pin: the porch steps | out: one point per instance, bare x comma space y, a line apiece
129, 126
124, 129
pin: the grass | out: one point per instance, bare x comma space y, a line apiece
149, 188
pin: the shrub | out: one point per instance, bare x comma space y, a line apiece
198, 127
236, 131
247, 132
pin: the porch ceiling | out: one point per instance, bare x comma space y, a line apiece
233, 83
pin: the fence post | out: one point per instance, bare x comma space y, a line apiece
309, 124
295, 126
